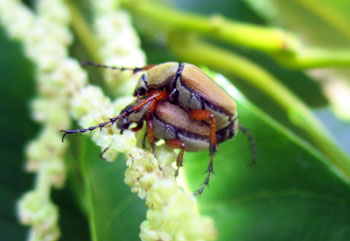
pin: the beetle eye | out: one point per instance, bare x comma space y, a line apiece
140, 91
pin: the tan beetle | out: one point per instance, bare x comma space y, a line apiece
181, 105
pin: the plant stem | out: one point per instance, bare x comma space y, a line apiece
43, 184
316, 58
284, 46
266, 39
199, 52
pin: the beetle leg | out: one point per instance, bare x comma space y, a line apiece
252, 143
134, 70
103, 152
138, 127
206, 181
177, 144
151, 135
144, 140
154, 96
151, 108
206, 115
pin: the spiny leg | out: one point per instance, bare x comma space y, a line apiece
153, 96
151, 134
103, 152
150, 110
134, 70
149, 129
144, 139
252, 143
138, 127
207, 115
206, 181
177, 144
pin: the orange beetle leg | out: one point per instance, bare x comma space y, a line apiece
177, 144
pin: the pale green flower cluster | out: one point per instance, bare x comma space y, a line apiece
90, 107
41, 214
118, 43
62, 90
172, 212
45, 37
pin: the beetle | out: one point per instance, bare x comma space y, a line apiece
179, 131
181, 88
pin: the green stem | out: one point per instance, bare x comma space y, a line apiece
42, 183
284, 46
316, 58
199, 52
266, 39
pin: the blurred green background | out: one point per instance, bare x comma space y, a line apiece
292, 193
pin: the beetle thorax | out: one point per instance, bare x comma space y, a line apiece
160, 76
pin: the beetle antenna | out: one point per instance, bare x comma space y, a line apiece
252, 143
160, 95
134, 70
111, 120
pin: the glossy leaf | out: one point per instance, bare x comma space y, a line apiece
290, 194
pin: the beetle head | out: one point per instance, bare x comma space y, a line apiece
142, 86
123, 123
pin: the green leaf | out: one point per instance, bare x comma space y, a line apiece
114, 213
290, 194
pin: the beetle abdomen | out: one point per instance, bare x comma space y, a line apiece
177, 117
193, 142
172, 122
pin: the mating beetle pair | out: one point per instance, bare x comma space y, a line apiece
181, 105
